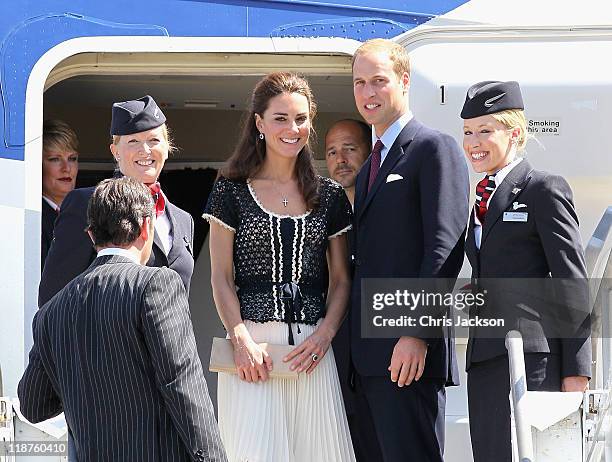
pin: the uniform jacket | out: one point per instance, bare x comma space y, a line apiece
46, 235
546, 245
72, 251
115, 351
413, 227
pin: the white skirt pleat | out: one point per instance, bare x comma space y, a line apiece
282, 420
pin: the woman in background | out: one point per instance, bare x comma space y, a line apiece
277, 230
60, 166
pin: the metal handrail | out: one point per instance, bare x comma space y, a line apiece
598, 256
599, 245
518, 390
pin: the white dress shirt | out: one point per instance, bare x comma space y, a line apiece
118, 251
499, 177
53, 205
163, 228
391, 134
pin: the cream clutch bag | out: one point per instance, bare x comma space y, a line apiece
222, 358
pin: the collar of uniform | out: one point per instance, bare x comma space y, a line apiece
53, 205
503, 173
499, 177
119, 174
161, 191
117, 251
391, 133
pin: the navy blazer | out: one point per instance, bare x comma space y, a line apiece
410, 228
46, 230
115, 351
72, 251
547, 244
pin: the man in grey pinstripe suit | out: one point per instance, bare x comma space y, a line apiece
115, 351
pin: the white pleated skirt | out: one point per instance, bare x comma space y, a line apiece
283, 420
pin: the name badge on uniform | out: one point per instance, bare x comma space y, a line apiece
520, 217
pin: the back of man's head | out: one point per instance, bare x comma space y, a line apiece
117, 210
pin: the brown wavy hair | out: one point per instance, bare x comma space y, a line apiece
250, 152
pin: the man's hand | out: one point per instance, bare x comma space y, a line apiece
575, 383
408, 360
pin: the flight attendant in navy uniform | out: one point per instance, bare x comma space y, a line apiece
60, 167
140, 146
523, 225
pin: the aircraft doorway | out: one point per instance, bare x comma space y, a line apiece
204, 114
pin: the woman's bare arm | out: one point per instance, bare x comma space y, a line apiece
337, 299
252, 361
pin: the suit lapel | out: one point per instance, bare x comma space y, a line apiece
178, 235
505, 193
470, 243
397, 150
394, 154
361, 185
157, 242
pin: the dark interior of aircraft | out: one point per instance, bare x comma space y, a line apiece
204, 115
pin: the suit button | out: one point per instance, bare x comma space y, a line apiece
357, 261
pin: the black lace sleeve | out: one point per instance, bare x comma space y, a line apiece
340, 213
221, 206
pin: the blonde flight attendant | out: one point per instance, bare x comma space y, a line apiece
523, 225
280, 275
140, 146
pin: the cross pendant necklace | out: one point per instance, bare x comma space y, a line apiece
284, 199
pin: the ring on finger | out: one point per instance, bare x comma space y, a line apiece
315, 357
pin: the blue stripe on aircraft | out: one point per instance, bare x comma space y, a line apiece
29, 30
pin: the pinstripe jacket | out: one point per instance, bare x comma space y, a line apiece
115, 351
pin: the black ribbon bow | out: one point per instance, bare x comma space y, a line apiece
291, 297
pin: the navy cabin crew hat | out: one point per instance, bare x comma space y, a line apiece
136, 116
490, 97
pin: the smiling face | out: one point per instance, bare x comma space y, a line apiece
59, 169
488, 143
142, 155
381, 95
285, 125
345, 152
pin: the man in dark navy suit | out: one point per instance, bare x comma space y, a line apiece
115, 350
411, 210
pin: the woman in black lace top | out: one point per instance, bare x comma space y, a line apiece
279, 275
